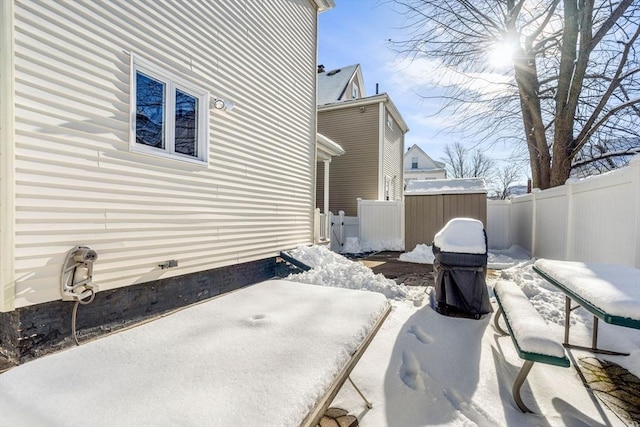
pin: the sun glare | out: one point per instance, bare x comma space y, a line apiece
501, 56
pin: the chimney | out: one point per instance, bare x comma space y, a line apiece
376, 88
320, 68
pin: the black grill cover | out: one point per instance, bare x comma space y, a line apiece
460, 284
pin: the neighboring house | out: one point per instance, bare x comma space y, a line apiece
117, 133
418, 165
371, 131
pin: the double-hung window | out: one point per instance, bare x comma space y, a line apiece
170, 117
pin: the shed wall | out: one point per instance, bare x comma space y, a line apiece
76, 181
425, 215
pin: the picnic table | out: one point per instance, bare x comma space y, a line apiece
609, 292
274, 353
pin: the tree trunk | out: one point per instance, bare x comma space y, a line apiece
528, 87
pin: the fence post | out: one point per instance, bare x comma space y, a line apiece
568, 238
534, 220
401, 209
359, 215
341, 230
316, 225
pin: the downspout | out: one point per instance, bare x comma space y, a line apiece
314, 166
7, 156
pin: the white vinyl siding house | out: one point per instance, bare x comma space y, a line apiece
418, 165
73, 173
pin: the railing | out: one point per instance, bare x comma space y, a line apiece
322, 226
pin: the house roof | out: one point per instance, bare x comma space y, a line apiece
414, 148
375, 99
327, 148
333, 83
324, 5
446, 186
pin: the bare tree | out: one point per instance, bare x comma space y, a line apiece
462, 162
505, 177
574, 79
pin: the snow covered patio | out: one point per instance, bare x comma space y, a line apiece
274, 353
421, 368
426, 369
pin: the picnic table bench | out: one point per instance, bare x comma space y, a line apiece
610, 292
529, 332
274, 353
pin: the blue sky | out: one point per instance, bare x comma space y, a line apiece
357, 32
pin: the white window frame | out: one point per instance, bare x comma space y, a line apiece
172, 83
389, 120
414, 163
355, 91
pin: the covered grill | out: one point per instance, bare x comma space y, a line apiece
460, 266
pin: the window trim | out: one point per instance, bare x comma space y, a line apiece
414, 165
173, 83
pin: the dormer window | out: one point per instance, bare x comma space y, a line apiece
355, 91
414, 163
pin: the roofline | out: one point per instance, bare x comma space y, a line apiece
425, 170
328, 145
324, 5
356, 71
428, 156
361, 102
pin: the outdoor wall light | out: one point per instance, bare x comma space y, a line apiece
221, 104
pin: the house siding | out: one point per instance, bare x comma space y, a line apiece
393, 158
76, 181
354, 174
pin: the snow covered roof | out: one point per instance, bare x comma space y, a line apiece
331, 84
446, 186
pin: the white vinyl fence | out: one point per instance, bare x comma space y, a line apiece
378, 226
381, 224
342, 228
592, 220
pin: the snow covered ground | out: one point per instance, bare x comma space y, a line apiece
426, 369
421, 369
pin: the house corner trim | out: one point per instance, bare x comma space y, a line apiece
7, 155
